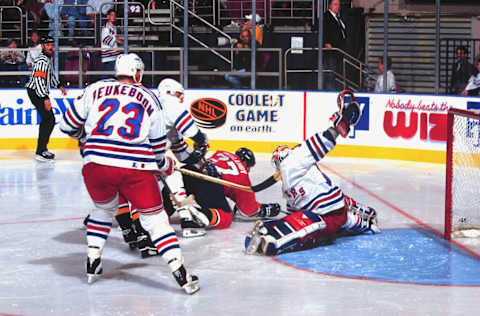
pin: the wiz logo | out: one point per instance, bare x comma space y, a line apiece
431, 125
20, 115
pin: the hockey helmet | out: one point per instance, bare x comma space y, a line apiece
128, 64
279, 154
170, 87
46, 39
246, 156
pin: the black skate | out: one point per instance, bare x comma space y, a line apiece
94, 269
130, 237
146, 246
189, 283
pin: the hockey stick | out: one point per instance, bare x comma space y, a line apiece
267, 182
270, 180
213, 179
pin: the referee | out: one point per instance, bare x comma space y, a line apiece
38, 88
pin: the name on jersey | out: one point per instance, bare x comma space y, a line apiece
116, 90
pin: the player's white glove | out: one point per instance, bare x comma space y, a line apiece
166, 166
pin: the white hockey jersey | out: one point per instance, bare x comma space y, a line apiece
180, 124
124, 125
109, 43
304, 185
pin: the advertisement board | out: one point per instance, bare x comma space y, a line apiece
411, 127
393, 126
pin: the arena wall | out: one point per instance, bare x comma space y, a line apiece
392, 126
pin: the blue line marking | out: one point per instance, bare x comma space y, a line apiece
399, 255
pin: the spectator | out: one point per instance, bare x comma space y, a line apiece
75, 15
462, 70
34, 49
335, 36
241, 60
98, 6
110, 42
391, 86
473, 86
49, 8
258, 30
32, 7
14, 60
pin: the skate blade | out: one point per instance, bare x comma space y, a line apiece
375, 229
92, 278
193, 232
148, 253
191, 287
252, 244
41, 159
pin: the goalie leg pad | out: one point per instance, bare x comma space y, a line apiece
361, 219
277, 236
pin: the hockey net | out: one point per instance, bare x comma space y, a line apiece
462, 191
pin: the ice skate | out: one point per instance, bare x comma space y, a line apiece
145, 245
94, 269
253, 239
190, 224
189, 283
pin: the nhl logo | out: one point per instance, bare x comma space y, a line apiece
209, 112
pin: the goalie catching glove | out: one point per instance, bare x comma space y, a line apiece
349, 116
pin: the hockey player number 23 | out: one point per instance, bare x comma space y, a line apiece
131, 128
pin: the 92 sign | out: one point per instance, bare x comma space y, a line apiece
135, 9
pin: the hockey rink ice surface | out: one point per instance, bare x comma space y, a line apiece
408, 269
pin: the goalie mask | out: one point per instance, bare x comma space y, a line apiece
170, 87
246, 156
279, 154
128, 65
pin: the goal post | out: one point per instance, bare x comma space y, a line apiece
462, 187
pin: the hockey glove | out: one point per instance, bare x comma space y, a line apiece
166, 166
350, 116
209, 169
269, 210
201, 148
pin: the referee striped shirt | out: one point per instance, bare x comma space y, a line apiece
42, 77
